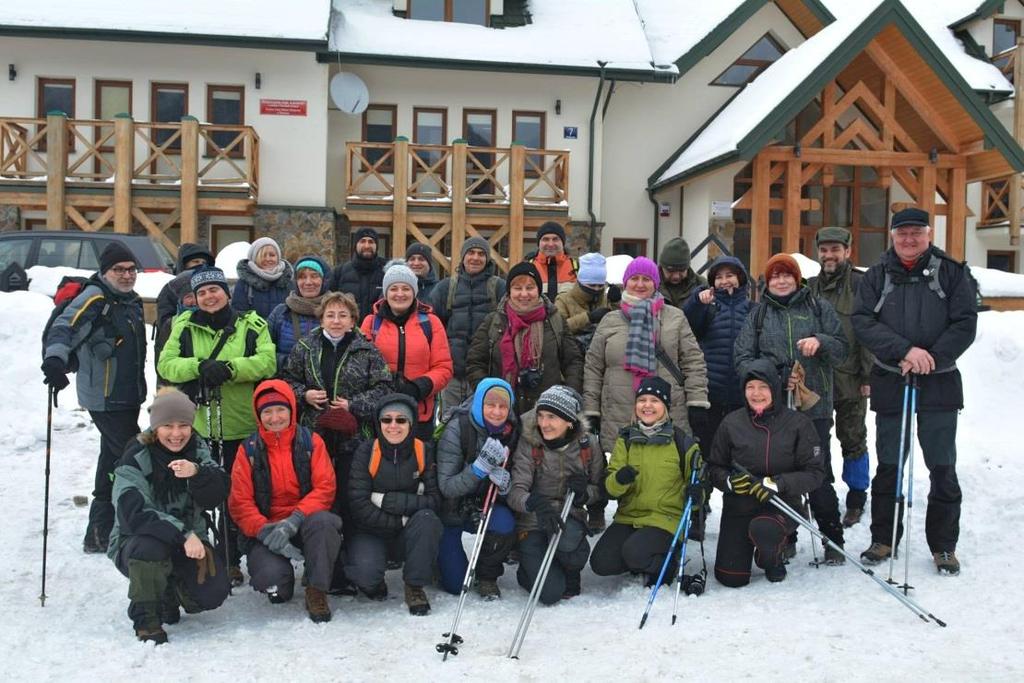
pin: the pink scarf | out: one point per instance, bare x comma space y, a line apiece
528, 330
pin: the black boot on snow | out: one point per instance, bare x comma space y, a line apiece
169, 609
775, 573
852, 516
151, 635
416, 600
833, 558
573, 586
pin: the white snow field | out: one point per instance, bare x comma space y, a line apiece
828, 624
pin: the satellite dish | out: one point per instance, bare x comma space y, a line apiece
349, 93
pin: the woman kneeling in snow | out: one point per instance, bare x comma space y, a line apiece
649, 474
164, 481
778, 448
557, 454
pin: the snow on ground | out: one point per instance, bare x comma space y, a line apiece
993, 282
229, 256
829, 624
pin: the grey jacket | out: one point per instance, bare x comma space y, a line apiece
108, 328
470, 307
549, 477
783, 327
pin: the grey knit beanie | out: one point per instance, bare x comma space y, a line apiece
397, 272
171, 405
563, 401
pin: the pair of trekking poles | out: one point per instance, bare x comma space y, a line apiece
207, 397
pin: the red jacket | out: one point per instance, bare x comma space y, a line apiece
433, 361
284, 483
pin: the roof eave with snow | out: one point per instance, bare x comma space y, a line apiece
168, 37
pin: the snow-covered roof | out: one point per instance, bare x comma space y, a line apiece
744, 114
563, 33
300, 20
672, 30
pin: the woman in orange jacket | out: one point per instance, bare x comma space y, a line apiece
282, 490
413, 341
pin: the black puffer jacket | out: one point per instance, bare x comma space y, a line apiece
169, 296
781, 444
362, 278
405, 491
470, 307
914, 314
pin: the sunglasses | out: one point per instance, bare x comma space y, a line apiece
396, 420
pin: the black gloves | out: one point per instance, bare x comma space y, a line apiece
695, 492
417, 389
698, 418
598, 313
214, 372
595, 423
577, 483
547, 517
614, 294
423, 386
626, 475
56, 373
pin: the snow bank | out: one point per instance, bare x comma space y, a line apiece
616, 267
993, 282
45, 280
229, 256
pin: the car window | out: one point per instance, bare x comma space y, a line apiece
59, 252
88, 259
14, 250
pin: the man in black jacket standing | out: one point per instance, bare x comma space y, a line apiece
362, 275
915, 312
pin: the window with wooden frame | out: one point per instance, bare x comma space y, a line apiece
110, 98
995, 202
55, 94
1001, 260
1005, 33
628, 245
429, 127
223, 235
751, 63
168, 103
225, 105
380, 124
528, 128
458, 11
480, 129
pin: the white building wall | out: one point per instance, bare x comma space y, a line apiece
292, 149
647, 122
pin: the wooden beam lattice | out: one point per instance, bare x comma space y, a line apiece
355, 151
541, 172
159, 231
84, 223
492, 241
487, 172
424, 170
163, 152
103, 133
419, 235
224, 156
18, 148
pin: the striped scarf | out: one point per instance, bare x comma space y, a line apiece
640, 358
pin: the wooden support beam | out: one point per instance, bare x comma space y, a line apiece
458, 202
956, 221
399, 212
189, 179
928, 182
516, 180
760, 236
1018, 135
56, 169
124, 163
856, 157
791, 215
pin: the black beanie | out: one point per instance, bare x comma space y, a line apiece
115, 253
551, 228
365, 232
524, 268
656, 387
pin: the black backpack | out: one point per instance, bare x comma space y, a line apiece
68, 289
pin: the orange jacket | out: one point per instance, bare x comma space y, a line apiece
565, 270
284, 483
433, 360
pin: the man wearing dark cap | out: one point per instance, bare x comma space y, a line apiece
101, 334
837, 283
362, 275
678, 281
916, 312
557, 270
420, 260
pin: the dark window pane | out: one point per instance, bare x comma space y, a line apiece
14, 250
870, 247
59, 97
430, 128
839, 206
527, 131
169, 106
431, 10
764, 50
469, 12
999, 260
226, 109
1004, 36
737, 74
480, 130
59, 253
379, 124
873, 209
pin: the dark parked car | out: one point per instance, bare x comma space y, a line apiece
76, 249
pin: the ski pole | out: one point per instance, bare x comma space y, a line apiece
908, 602
215, 396
452, 635
682, 527
910, 483
542, 575
899, 475
694, 478
51, 402
814, 548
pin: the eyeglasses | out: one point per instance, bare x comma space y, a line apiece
119, 271
396, 420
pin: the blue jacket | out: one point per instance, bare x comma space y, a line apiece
281, 321
253, 293
716, 326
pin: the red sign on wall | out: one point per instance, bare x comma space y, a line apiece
283, 107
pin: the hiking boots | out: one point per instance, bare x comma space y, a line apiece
316, 605
946, 563
595, 521
572, 585
876, 554
834, 558
155, 635
277, 596
775, 573
340, 585
488, 589
417, 601
236, 576
94, 542
852, 516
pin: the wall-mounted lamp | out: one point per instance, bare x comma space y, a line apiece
797, 149
933, 156
12, 73
558, 107
259, 80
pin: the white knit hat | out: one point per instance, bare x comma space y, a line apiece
397, 272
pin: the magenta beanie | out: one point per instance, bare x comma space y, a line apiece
642, 265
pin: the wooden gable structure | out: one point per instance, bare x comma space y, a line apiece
887, 98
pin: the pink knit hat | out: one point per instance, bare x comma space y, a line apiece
642, 265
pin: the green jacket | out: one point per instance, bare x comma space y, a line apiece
656, 497
136, 510
236, 395
840, 290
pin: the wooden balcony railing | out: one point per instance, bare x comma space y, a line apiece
123, 155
